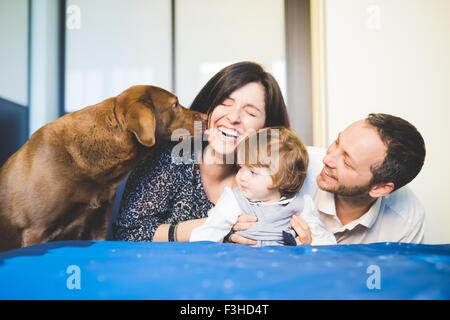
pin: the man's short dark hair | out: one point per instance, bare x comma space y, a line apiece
405, 150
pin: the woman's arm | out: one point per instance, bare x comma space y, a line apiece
224, 217
184, 230
146, 199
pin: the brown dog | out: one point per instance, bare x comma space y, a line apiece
60, 185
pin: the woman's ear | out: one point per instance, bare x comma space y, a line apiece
141, 121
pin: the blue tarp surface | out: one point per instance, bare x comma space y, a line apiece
205, 270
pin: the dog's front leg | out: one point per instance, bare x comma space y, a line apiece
97, 223
31, 237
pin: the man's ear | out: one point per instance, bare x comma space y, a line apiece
381, 189
141, 121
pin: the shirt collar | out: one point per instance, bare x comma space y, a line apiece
283, 201
325, 203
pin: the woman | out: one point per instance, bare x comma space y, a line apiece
164, 201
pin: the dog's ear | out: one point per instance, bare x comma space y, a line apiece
141, 121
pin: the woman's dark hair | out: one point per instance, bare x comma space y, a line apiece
405, 150
236, 76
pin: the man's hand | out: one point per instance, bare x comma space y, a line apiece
302, 229
243, 223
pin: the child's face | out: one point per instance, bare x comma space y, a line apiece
254, 184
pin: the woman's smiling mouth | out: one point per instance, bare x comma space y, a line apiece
229, 133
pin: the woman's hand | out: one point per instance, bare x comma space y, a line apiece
302, 229
243, 223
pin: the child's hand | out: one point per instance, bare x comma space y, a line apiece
243, 223
302, 229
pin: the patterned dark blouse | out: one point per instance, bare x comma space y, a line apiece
160, 192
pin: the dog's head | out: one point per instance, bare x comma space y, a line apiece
153, 113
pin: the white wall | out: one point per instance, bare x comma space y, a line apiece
393, 56
44, 82
14, 50
211, 34
112, 45
108, 50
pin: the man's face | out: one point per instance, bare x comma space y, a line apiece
349, 159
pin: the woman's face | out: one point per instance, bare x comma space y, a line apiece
241, 113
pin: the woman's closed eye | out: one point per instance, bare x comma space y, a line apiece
227, 103
252, 111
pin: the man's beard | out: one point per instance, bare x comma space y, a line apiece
344, 191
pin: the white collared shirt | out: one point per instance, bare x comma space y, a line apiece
282, 201
398, 217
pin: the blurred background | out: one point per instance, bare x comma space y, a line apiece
335, 60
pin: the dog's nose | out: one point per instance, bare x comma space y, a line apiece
201, 117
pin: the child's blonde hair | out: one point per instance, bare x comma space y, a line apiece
280, 150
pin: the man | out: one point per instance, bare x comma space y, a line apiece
360, 191
361, 196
